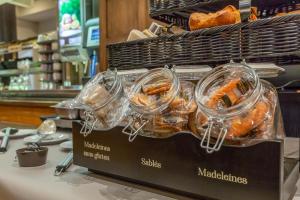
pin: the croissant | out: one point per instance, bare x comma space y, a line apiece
228, 15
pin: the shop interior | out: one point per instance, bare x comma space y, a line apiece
149, 99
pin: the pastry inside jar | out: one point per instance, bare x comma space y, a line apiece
104, 101
165, 106
234, 106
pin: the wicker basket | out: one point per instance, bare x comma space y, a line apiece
266, 38
178, 11
202, 46
273, 37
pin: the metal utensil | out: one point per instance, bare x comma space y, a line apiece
64, 165
8, 131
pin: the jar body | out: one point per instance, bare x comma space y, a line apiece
161, 104
174, 118
104, 101
235, 107
255, 123
110, 115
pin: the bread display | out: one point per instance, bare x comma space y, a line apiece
230, 102
228, 15
233, 103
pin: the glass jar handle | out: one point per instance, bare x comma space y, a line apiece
131, 130
205, 142
89, 123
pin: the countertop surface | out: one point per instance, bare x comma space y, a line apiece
77, 183
36, 98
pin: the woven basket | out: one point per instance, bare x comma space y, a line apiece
202, 46
275, 37
266, 38
178, 11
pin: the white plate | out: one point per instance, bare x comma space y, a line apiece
56, 138
20, 134
68, 145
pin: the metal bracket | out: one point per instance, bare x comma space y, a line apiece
245, 9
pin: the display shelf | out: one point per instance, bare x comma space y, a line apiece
46, 62
16, 72
25, 58
50, 61
47, 72
46, 42
48, 52
159, 163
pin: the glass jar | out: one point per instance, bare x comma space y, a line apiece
235, 107
161, 105
104, 102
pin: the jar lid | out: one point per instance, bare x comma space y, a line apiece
100, 91
153, 92
228, 90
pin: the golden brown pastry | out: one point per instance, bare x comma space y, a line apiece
253, 15
242, 126
141, 99
156, 88
289, 13
228, 15
98, 97
254, 11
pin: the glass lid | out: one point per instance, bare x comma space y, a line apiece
99, 91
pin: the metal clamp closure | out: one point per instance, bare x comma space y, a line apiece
245, 9
89, 123
206, 140
135, 125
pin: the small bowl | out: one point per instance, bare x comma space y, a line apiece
29, 158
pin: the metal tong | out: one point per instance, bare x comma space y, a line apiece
5, 139
64, 165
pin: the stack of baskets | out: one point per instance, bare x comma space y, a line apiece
264, 38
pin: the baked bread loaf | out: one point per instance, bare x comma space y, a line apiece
228, 15
254, 14
289, 13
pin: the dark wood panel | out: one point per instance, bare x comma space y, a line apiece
117, 19
8, 29
123, 16
103, 28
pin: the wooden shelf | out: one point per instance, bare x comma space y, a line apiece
46, 42
48, 52
15, 72
50, 61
